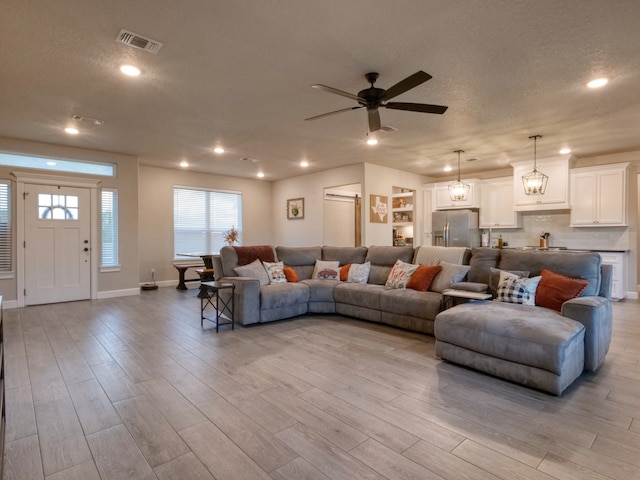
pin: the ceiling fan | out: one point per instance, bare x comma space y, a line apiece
373, 98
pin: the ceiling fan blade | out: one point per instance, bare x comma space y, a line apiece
407, 84
416, 107
336, 91
374, 120
333, 113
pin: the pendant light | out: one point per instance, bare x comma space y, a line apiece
458, 191
535, 182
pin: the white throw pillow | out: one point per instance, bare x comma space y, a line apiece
275, 272
359, 272
400, 274
326, 270
254, 269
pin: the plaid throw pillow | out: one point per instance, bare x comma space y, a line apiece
510, 287
513, 290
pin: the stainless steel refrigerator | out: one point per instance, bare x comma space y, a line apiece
456, 228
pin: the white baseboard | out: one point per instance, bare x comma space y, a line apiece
9, 304
632, 295
128, 292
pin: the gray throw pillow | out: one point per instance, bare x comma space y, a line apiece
450, 273
254, 269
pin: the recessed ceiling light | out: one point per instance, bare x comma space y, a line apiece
184, 164
218, 150
598, 82
564, 151
304, 164
372, 141
51, 163
130, 70
447, 168
260, 175
72, 130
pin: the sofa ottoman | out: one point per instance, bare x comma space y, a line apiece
530, 345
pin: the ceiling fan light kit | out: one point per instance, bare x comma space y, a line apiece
535, 182
373, 98
459, 190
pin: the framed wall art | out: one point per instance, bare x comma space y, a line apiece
295, 208
379, 209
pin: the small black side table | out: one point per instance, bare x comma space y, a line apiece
224, 308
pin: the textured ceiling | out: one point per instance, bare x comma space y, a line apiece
238, 73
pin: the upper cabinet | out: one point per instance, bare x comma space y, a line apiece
443, 197
598, 196
496, 204
555, 197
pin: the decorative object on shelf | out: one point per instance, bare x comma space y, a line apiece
295, 208
535, 182
458, 191
231, 236
379, 209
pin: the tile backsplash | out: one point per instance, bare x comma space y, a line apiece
562, 235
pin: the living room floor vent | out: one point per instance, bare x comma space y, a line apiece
138, 41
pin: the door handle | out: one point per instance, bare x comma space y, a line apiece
86, 249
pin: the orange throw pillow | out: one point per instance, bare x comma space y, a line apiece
555, 289
423, 277
290, 273
344, 272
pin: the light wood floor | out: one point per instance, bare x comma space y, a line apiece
132, 388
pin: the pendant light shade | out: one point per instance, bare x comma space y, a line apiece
458, 191
535, 182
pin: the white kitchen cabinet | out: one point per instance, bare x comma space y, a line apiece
556, 195
443, 197
496, 204
598, 196
619, 281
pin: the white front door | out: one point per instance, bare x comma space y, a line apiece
57, 244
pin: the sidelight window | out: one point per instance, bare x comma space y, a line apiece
5, 226
109, 224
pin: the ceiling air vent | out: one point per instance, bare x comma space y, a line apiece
138, 41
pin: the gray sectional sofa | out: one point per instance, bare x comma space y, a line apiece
535, 346
528, 344
402, 308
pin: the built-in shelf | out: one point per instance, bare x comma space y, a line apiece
402, 215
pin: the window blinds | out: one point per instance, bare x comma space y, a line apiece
201, 217
5, 226
109, 221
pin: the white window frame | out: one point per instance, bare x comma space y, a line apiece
109, 229
193, 221
6, 238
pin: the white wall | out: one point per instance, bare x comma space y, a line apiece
307, 231
380, 181
156, 220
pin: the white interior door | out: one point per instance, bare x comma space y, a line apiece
57, 244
